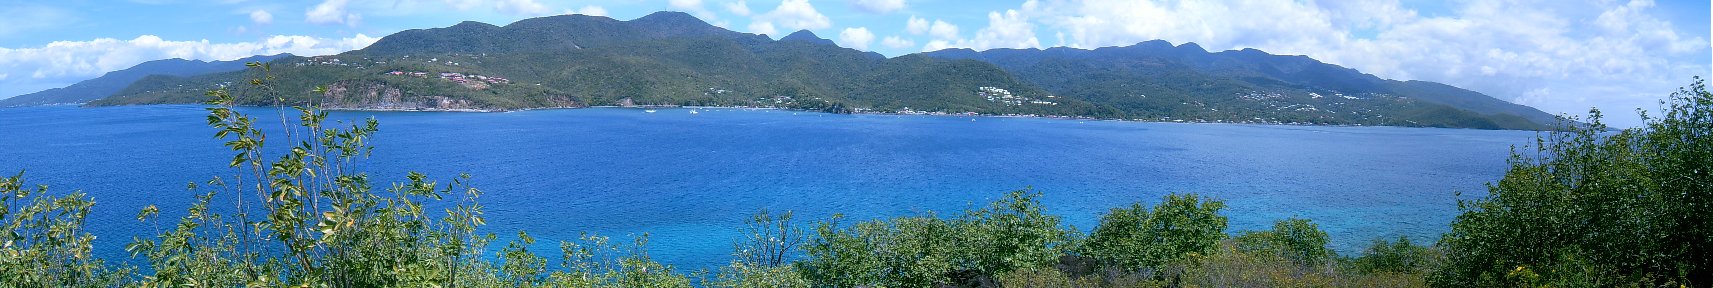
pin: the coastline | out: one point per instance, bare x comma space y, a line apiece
862, 112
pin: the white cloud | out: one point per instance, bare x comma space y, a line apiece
858, 38
1008, 30
522, 7
331, 12
795, 15
878, 6
590, 10
916, 25
61, 63
739, 8
763, 27
937, 45
943, 30
896, 43
1004, 30
261, 17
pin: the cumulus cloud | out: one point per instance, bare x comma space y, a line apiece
738, 8
943, 30
331, 12
916, 25
795, 15
61, 63
878, 6
1006, 30
858, 38
763, 27
897, 43
261, 17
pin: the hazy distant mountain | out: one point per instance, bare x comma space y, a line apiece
1155, 79
671, 58
113, 82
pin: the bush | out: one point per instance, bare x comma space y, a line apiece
1295, 239
1040, 277
1395, 257
1597, 207
762, 256
1181, 229
1012, 233
981, 245
43, 244
901, 252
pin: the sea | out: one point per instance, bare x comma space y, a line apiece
688, 180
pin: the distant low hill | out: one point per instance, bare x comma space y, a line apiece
113, 82
672, 58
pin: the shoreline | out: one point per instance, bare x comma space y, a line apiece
868, 112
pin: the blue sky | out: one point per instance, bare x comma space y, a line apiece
1562, 56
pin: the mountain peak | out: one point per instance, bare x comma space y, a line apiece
473, 24
669, 17
806, 36
1191, 46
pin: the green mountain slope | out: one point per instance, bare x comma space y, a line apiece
666, 58
671, 58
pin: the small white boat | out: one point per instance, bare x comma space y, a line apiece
694, 112
648, 111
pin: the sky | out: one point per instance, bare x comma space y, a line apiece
1561, 56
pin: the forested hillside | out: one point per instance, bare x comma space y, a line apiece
671, 58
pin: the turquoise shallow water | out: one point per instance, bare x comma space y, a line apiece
689, 179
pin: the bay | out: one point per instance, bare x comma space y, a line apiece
688, 180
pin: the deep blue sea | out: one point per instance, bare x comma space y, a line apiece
690, 179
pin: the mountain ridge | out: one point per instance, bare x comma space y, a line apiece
673, 58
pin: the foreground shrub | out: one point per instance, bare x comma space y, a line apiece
1295, 239
1181, 229
1589, 206
594, 261
43, 243
1396, 257
1043, 277
901, 252
762, 258
1009, 234
1012, 233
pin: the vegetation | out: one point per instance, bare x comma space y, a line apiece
1182, 229
1590, 207
1597, 207
671, 58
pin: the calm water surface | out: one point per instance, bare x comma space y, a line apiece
689, 179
